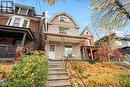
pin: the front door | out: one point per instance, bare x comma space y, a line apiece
52, 52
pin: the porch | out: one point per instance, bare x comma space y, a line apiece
88, 52
12, 40
60, 46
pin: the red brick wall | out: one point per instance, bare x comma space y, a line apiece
3, 20
6, 40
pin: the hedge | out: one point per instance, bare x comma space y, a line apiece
32, 71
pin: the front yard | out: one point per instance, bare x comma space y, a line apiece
103, 74
31, 71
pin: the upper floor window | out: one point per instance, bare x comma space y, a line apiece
128, 42
64, 19
18, 22
23, 11
118, 43
63, 30
88, 42
87, 33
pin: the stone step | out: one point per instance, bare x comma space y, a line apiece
59, 83
58, 77
57, 72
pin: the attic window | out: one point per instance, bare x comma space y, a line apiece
64, 19
86, 32
23, 11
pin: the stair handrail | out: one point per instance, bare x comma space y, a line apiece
77, 73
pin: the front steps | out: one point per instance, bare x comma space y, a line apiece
57, 76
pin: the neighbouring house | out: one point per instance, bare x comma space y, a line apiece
87, 46
113, 46
62, 37
19, 31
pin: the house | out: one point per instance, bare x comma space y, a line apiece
19, 31
113, 45
62, 37
87, 46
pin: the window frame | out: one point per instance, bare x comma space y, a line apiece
21, 13
21, 21
67, 19
63, 30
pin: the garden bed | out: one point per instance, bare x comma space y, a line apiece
103, 74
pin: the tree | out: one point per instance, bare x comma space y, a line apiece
111, 14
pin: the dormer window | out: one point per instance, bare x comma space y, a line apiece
64, 19
23, 11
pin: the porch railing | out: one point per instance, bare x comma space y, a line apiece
7, 52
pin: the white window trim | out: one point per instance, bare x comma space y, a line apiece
20, 10
27, 11
21, 21
64, 16
8, 21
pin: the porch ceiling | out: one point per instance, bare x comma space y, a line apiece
62, 38
11, 31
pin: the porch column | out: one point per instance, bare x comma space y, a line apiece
23, 40
91, 53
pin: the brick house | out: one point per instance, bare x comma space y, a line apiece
20, 30
87, 46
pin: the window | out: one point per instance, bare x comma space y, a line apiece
128, 42
118, 42
16, 10
25, 23
16, 22
87, 33
30, 13
52, 47
64, 19
23, 11
88, 42
68, 51
63, 30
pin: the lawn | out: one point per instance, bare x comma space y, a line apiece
103, 74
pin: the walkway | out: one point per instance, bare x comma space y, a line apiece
57, 76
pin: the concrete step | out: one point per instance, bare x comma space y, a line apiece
58, 77
56, 69
59, 83
55, 66
57, 73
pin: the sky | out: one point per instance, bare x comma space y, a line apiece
81, 12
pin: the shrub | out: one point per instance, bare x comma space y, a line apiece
80, 69
32, 71
124, 79
39, 52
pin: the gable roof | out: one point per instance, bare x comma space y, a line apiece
64, 13
86, 28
